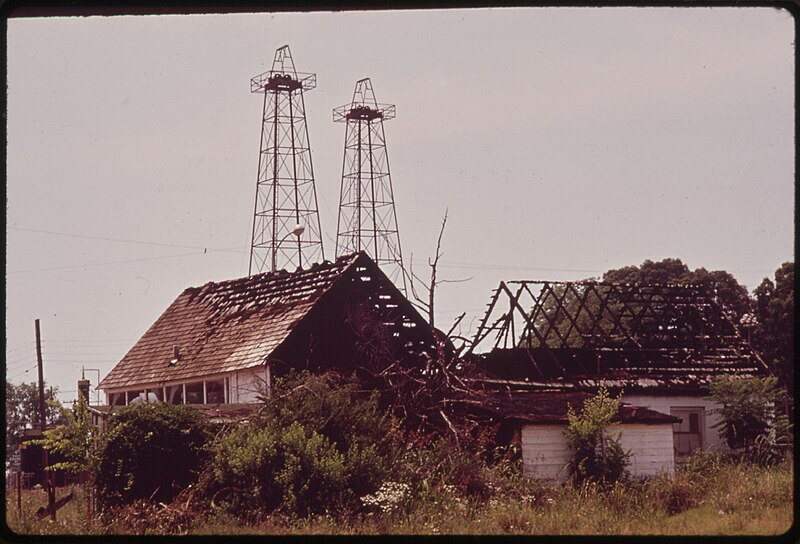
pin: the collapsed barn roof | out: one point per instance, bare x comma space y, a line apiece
313, 316
631, 336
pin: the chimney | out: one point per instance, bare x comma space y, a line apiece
83, 389
176, 354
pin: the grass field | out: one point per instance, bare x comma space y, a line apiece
729, 499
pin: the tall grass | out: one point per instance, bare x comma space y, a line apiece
707, 497
72, 518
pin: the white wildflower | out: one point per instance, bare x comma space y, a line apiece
388, 498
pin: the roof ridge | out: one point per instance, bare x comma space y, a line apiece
270, 275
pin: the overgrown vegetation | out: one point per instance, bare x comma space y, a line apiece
317, 446
73, 440
598, 454
710, 495
148, 451
22, 411
751, 424
322, 457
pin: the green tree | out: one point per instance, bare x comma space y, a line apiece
731, 294
22, 411
149, 450
750, 425
72, 440
598, 454
773, 335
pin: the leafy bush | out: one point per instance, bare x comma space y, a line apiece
266, 468
597, 456
750, 424
148, 451
72, 440
318, 445
702, 463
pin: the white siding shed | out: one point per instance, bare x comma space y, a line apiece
546, 453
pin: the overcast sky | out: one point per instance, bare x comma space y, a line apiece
563, 142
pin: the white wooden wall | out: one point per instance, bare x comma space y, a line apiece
650, 446
246, 385
546, 452
663, 404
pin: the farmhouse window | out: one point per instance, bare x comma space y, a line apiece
116, 399
175, 394
159, 395
133, 394
215, 392
194, 393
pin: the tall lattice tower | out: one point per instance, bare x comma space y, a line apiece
367, 218
286, 230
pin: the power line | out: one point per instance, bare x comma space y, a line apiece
18, 364
18, 374
18, 360
124, 240
19, 356
26, 345
495, 266
102, 264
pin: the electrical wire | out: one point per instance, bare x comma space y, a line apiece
92, 265
18, 364
18, 374
124, 240
27, 345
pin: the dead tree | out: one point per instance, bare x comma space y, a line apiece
425, 389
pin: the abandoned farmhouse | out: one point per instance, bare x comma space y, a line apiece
222, 343
541, 347
219, 346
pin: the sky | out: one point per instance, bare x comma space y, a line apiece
561, 142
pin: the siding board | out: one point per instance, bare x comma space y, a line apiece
546, 452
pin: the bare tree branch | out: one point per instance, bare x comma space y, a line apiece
434, 265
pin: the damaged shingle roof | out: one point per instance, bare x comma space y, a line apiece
226, 326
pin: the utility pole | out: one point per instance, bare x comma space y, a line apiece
42, 410
51, 496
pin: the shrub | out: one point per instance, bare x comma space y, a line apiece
318, 445
72, 441
597, 456
750, 423
148, 451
